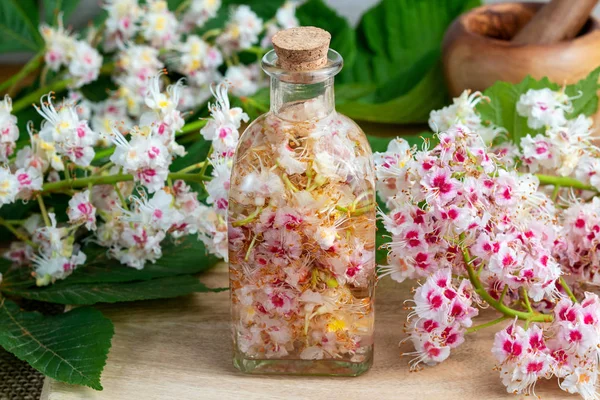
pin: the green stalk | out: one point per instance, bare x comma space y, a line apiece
249, 218
505, 310
109, 180
564, 181
35, 96
56, 86
487, 324
15, 232
565, 286
14, 80
40, 200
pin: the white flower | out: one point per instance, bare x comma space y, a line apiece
50, 238
262, 186
241, 31
63, 128
163, 103
139, 245
84, 61
201, 11
583, 381
9, 132
325, 236
108, 115
286, 15
137, 64
158, 213
121, 24
30, 180
212, 231
288, 160
218, 186
326, 165
59, 44
544, 107
461, 111
242, 79
198, 60
50, 268
9, 186
159, 25
588, 170
144, 156
81, 210
85, 64
222, 128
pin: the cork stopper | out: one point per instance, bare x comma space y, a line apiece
302, 49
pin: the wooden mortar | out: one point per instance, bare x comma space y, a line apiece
477, 50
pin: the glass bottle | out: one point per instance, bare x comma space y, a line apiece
302, 230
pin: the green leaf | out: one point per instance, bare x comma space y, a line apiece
70, 347
187, 256
18, 26
412, 107
585, 94
53, 7
343, 40
64, 292
501, 110
4, 265
398, 50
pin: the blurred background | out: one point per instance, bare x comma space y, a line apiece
350, 9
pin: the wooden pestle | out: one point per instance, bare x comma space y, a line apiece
558, 20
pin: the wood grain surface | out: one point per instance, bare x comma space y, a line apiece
181, 349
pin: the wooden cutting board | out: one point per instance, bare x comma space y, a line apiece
181, 349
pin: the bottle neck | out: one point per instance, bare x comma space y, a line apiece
295, 101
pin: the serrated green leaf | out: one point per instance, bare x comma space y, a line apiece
70, 347
64, 292
188, 256
53, 7
501, 110
184, 257
585, 95
18, 26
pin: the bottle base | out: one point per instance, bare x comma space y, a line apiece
301, 367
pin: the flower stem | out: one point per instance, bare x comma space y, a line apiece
565, 286
249, 218
192, 126
15, 232
14, 80
505, 310
564, 181
526, 300
487, 324
79, 183
193, 167
35, 96
40, 200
